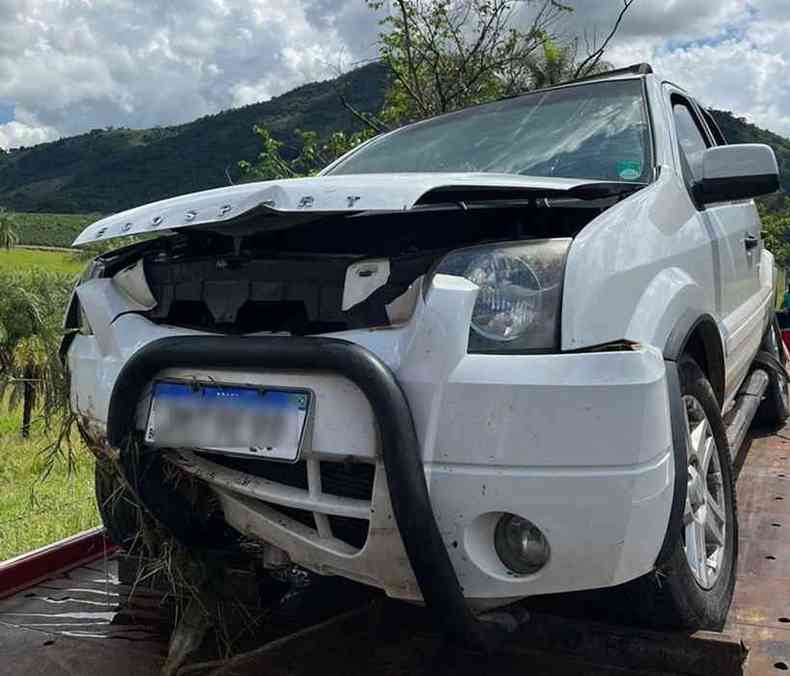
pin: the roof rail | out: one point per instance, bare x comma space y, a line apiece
636, 69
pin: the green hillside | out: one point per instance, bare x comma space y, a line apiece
106, 171
114, 169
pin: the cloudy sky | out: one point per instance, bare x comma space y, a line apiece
67, 66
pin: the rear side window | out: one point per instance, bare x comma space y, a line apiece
691, 138
718, 135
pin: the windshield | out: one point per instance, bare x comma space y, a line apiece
593, 131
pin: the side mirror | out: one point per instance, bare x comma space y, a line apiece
736, 172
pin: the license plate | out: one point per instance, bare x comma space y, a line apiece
249, 421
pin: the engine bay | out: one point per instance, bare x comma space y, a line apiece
332, 274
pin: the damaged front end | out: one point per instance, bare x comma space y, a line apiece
318, 273
361, 316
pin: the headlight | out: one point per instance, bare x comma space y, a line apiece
509, 299
518, 305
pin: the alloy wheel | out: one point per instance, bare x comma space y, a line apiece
705, 514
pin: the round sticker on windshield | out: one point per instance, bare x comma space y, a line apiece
629, 170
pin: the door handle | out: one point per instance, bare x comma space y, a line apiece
750, 241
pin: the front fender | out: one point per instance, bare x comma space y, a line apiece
636, 268
670, 297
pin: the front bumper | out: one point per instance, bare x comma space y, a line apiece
579, 444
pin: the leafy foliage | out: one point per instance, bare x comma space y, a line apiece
555, 63
449, 54
313, 155
776, 228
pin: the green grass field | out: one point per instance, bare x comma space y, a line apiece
25, 259
51, 229
34, 513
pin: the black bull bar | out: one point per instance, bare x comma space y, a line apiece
401, 455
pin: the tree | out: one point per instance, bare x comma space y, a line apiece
8, 233
31, 373
448, 54
555, 63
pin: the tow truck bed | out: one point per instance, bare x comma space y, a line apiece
80, 621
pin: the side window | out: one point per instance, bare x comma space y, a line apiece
718, 135
691, 137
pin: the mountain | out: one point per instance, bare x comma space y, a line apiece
108, 170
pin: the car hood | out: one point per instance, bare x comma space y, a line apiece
301, 199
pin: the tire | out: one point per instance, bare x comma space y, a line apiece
681, 595
119, 513
775, 407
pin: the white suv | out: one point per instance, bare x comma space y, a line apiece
490, 355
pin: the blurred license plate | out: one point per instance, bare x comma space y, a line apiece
265, 423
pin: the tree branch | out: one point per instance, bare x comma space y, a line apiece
371, 122
589, 63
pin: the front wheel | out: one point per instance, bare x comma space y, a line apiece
693, 589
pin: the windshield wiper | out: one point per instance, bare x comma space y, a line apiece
597, 191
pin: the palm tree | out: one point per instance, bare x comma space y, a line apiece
8, 234
31, 373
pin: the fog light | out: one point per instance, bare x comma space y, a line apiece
520, 544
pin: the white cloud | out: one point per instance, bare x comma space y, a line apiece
82, 64
14, 134
660, 20
735, 76
734, 58
67, 66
